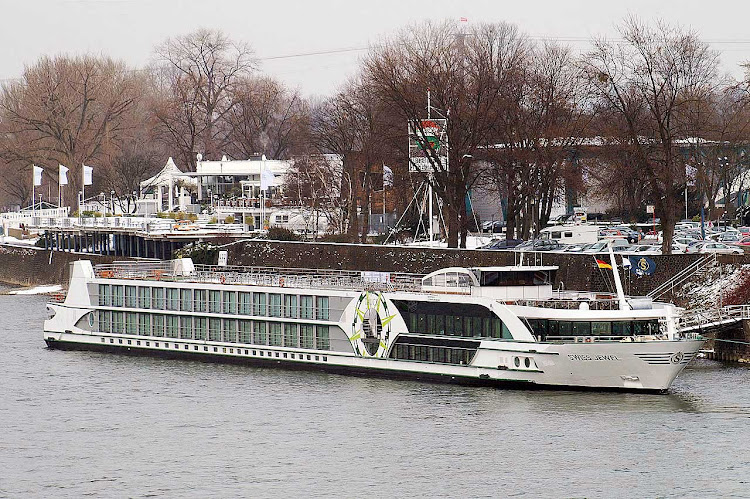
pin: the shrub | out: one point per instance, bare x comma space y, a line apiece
229, 219
281, 234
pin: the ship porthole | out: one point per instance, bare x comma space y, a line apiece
517, 362
91, 319
527, 361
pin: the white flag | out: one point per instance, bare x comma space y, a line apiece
38, 175
266, 179
88, 175
387, 176
626, 262
63, 180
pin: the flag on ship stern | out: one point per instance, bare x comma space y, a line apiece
602, 264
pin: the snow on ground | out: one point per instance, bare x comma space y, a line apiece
38, 290
14, 240
472, 242
708, 291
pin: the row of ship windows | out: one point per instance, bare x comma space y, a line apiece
444, 355
215, 301
259, 353
457, 325
213, 329
546, 327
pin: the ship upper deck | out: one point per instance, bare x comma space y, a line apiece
184, 271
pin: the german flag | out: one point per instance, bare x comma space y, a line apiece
603, 265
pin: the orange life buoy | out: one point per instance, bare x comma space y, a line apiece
223, 279
281, 282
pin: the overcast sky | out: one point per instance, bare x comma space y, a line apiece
280, 29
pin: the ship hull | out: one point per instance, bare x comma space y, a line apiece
600, 367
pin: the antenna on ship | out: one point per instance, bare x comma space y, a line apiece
624, 305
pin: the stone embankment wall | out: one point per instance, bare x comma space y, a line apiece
737, 348
576, 271
29, 266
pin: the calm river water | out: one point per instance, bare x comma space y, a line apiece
79, 424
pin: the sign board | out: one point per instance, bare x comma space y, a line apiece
428, 143
649, 208
223, 258
379, 277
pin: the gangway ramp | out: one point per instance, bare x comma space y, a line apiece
713, 318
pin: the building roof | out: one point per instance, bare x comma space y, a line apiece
168, 175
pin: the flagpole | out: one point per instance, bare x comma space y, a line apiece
83, 188
33, 189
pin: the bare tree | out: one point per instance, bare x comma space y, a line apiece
465, 72
69, 110
265, 118
648, 82
196, 74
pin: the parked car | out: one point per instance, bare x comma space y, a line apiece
503, 244
493, 226
629, 235
184, 225
539, 245
729, 237
705, 247
745, 241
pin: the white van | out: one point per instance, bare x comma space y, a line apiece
571, 234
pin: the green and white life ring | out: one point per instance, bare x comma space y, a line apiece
371, 327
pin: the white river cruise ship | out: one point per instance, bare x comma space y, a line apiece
490, 325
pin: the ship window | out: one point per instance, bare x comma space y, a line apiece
601, 328
214, 329
306, 307
172, 326
195, 347
105, 318
199, 302
581, 328
307, 336
214, 301
622, 328
173, 299
245, 303
205, 349
105, 299
186, 299
230, 330
259, 304
291, 336
118, 321
144, 297
200, 328
275, 334
325, 358
131, 300
260, 333
285, 355
186, 327
157, 298
144, 324
274, 305
454, 319
246, 334
117, 296
290, 306
158, 325
230, 302
515, 278
323, 314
